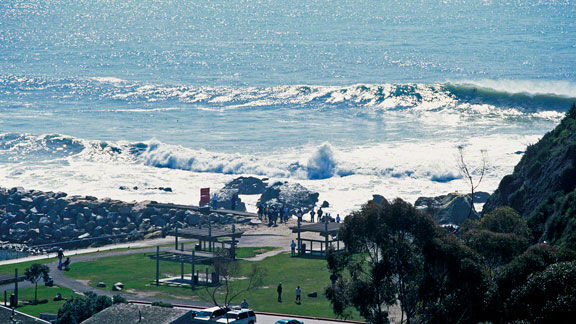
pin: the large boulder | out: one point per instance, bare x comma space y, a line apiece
247, 185
291, 195
452, 208
228, 199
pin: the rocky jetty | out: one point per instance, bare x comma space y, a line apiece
452, 208
33, 218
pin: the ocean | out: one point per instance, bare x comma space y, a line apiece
348, 98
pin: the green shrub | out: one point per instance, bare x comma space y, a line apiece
162, 304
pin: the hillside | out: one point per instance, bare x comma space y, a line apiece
542, 187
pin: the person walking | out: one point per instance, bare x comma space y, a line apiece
320, 212
333, 278
60, 257
293, 248
312, 213
281, 211
298, 295
299, 214
338, 218
279, 291
244, 304
286, 214
260, 210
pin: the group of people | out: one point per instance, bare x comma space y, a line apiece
298, 294
321, 217
273, 214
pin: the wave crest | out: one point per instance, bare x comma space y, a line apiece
495, 97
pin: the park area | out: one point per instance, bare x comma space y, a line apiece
137, 273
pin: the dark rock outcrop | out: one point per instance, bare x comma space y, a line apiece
247, 185
291, 195
542, 187
380, 200
228, 199
452, 208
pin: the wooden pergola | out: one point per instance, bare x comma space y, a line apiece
324, 229
192, 258
208, 237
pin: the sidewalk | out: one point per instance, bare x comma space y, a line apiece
127, 245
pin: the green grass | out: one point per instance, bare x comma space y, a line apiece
250, 252
44, 292
137, 272
9, 268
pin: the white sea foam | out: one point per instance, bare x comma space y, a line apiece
346, 175
108, 80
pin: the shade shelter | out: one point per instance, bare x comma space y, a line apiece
328, 230
208, 237
202, 254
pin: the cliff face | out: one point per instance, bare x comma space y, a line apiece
542, 187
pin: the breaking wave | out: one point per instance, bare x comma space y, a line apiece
312, 163
547, 99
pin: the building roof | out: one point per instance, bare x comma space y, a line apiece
21, 318
142, 314
205, 233
332, 228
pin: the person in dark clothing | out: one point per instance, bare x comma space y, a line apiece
60, 257
298, 295
312, 213
279, 291
320, 212
333, 278
281, 211
66, 264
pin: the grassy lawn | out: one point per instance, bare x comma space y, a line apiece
137, 272
9, 268
250, 252
43, 293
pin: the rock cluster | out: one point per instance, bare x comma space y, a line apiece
34, 217
291, 195
247, 185
452, 208
228, 199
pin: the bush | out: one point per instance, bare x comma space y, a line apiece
548, 296
118, 299
79, 309
162, 304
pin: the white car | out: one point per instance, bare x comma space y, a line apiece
211, 314
242, 316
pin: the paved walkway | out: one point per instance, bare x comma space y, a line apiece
128, 245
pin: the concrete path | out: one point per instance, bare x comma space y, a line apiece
128, 245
